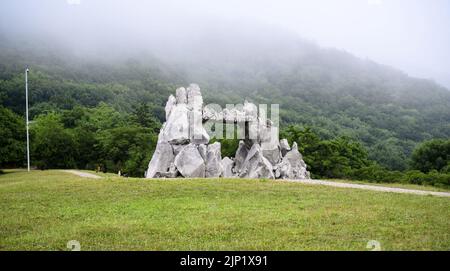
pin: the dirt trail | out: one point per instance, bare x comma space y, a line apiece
372, 187
83, 174
321, 182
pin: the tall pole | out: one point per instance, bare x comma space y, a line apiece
28, 134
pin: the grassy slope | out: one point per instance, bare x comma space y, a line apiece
44, 210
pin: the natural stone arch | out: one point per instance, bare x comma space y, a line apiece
183, 148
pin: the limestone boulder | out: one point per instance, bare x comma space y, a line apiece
250, 110
240, 115
256, 165
271, 152
176, 130
284, 170
276, 171
213, 160
190, 163
172, 173
284, 146
229, 115
227, 167
177, 148
171, 102
295, 167
194, 97
161, 133
270, 144
197, 133
212, 112
181, 96
253, 131
240, 156
234, 114
202, 149
161, 160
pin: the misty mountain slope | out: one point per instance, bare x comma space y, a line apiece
311, 81
332, 91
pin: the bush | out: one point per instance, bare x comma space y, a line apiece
378, 174
446, 169
415, 177
433, 154
431, 178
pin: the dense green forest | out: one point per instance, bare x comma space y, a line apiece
352, 118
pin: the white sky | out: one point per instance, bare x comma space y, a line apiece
412, 35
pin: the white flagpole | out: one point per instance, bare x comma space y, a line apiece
28, 136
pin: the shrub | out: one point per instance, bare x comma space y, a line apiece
378, 174
433, 154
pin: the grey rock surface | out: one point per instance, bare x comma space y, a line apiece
295, 167
256, 165
210, 112
181, 96
172, 173
213, 160
190, 163
270, 144
177, 148
194, 97
161, 160
197, 133
271, 153
171, 102
176, 130
202, 149
284, 145
240, 156
227, 168
250, 111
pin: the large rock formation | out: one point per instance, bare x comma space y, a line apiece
183, 148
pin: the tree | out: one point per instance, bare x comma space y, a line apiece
12, 138
431, 155
87, 147
143, 117
52, 145
128, 149
334, 158
105, 117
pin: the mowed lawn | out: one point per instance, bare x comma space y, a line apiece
43, 210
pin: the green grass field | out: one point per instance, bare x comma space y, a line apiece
43, 210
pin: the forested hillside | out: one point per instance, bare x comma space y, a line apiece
331, 93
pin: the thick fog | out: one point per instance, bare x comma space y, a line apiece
411, 35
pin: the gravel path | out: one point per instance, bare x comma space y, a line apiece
83, 174
372, 187
320, 182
